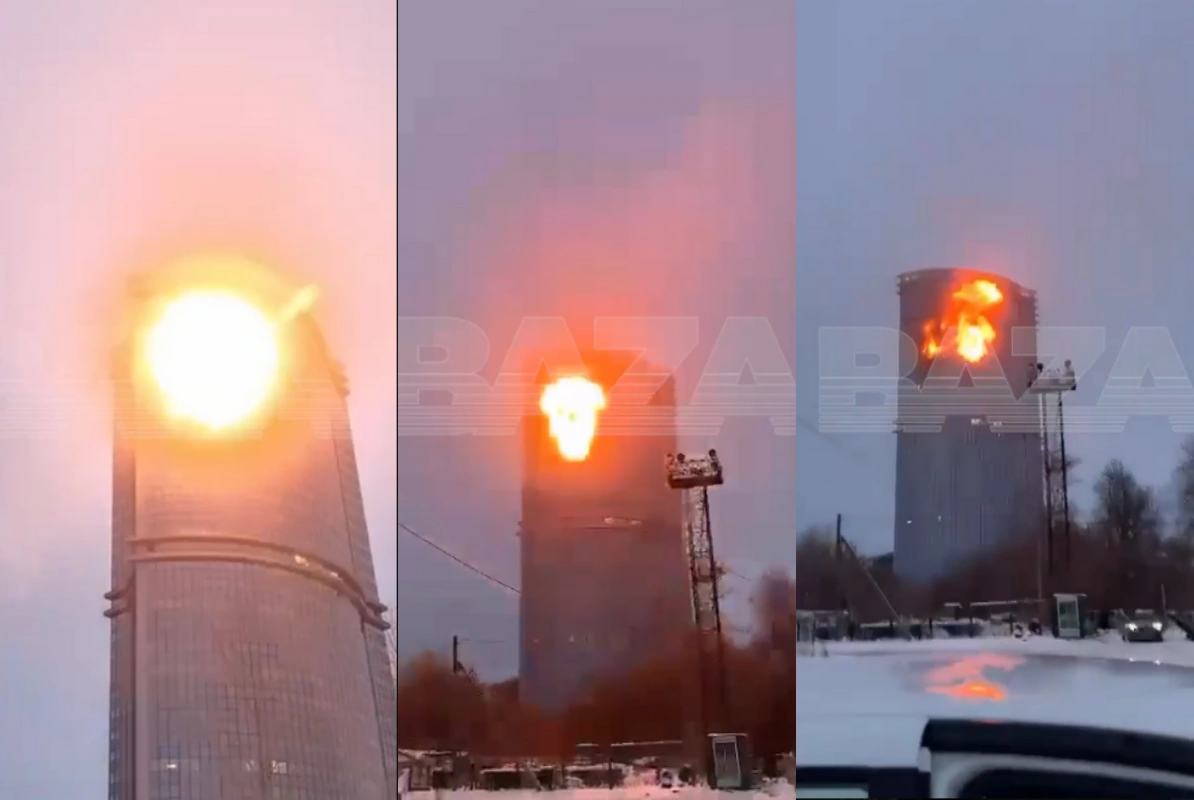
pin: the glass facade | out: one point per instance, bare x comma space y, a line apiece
249, 659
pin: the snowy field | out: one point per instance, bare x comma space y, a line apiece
1176, 650
776, 791
868, 701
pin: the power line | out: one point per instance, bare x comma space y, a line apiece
477, 570
845, 450
457, 558
733, 573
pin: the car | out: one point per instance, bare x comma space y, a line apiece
1143, 628
921, 721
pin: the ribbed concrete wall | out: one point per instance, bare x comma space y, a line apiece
971, 485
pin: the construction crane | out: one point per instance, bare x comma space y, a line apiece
693, 477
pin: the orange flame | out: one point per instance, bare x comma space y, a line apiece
967, 315
571, 406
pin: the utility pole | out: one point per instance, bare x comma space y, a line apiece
458, 736
845, 552
837, 565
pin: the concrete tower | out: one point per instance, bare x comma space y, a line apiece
604, 576
973, 482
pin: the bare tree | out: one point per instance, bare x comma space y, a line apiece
438, 707
1125, 511
1125, 516
816, 577
774, 606
1184, 478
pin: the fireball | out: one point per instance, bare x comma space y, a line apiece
214, 356
968, 314
571, 406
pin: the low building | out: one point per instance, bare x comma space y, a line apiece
417, 767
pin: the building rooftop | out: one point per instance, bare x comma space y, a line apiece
904, 278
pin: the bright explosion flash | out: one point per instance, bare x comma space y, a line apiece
214, 356
571, 406
968, 315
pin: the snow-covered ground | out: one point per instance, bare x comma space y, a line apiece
1175, 650
774, 792
867, 702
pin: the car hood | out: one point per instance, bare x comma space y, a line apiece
870, 708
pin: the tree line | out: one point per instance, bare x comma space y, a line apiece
1123, 554
444, 708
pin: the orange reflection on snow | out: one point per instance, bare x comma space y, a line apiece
964, 679
973, 689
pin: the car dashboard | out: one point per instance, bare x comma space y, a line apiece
961, 758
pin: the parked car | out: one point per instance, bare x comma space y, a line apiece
1143, 628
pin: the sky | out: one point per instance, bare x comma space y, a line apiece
579, 159
1048, 141
135, 132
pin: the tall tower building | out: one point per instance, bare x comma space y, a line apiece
604, 575
973, 482
248, 653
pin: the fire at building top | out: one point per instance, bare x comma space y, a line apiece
590, 434
966, 326
211, 339
581, 399
572, 405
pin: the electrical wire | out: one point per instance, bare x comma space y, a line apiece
845, 450
457, 559
498, 581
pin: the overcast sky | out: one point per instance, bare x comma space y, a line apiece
581, 158
132, 131
1047, 140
